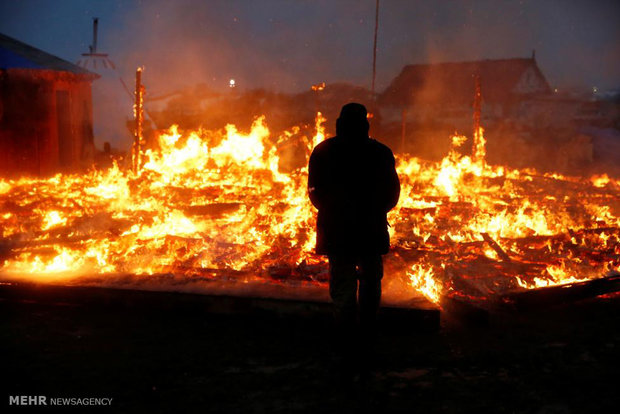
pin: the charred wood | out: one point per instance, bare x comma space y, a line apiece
493, 244
556, 295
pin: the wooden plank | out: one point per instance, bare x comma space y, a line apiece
556, 295
493, 244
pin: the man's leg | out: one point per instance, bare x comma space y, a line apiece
343, 290
370, 275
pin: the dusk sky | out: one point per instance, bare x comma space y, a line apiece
289, 45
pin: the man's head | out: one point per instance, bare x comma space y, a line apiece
353, 121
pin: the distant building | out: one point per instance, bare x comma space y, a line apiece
46, 123
444, 92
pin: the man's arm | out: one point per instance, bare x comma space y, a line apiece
392, 184
315, 182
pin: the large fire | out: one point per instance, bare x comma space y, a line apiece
215, 205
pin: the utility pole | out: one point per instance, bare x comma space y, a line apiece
477, 104
374, 52
479, 151
138, 142
403, 129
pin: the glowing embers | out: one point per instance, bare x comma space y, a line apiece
215, 205
203, 200
422, 279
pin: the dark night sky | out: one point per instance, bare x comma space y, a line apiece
288, 45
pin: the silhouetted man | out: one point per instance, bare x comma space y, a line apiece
353, 183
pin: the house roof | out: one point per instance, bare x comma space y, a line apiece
454, 82
18, 55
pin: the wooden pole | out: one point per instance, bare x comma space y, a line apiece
403, 127
478, 150
138, 113
477, 104
374, 52
493, 244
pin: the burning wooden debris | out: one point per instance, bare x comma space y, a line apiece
214, 205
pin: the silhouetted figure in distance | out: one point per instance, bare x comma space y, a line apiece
353, 183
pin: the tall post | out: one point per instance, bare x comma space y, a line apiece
479, 151
477, 104
374, 52
138, 113
403, 130
95, 24
317, 88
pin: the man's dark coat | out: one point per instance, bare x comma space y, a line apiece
353, 183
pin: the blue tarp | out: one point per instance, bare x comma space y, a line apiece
18, 55
10, 60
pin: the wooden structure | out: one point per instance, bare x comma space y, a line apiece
443, 92
46, 123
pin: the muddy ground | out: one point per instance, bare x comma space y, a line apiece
560, 360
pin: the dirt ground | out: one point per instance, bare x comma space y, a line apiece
561, 360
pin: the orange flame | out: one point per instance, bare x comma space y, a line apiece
216, 201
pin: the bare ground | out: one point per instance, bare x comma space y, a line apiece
561, 360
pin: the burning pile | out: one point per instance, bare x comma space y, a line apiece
478, 231
214, 205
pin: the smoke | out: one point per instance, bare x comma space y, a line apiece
576, 42
277, 45
286, 46
289, 45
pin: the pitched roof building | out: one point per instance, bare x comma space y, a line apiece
503, 81
427, 102
45, 111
